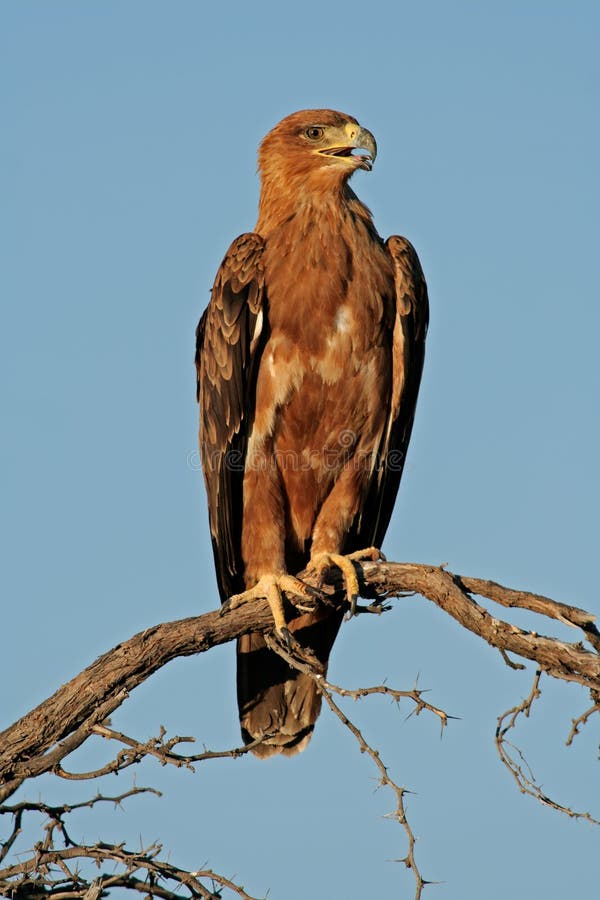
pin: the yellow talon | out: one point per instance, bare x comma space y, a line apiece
270, 587
323, 561
373, 554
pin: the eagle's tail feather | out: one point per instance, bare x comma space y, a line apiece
276, 702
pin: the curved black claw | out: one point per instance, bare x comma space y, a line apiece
286, 638
353, 603
225, 607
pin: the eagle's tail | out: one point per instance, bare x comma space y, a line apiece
276, 702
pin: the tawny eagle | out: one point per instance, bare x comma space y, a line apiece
309, 359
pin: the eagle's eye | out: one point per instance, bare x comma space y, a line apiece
314, 133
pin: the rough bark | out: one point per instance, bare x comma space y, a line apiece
38, 741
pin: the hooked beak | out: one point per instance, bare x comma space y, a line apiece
356, 139
364, 140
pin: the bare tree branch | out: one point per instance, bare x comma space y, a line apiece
385, 780
45, 870
158, 747
39, 874
297, 657
582, 719
522, 771
40, 740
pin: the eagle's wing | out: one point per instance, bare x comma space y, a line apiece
408, 352
230, 339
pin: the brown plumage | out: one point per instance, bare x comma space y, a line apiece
309, 358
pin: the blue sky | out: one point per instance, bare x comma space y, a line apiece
127, 166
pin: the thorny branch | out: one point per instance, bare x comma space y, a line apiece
40, 875
582, 719
154, 746
385, 780
521, 770
299, 659
415, 695
42, 739
47, 871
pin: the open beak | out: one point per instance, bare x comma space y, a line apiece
357, 139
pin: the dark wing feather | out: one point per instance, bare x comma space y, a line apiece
410, 329
229, 341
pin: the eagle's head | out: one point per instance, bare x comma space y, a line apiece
320, 145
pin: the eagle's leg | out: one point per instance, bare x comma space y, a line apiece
333, 523
263, 541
